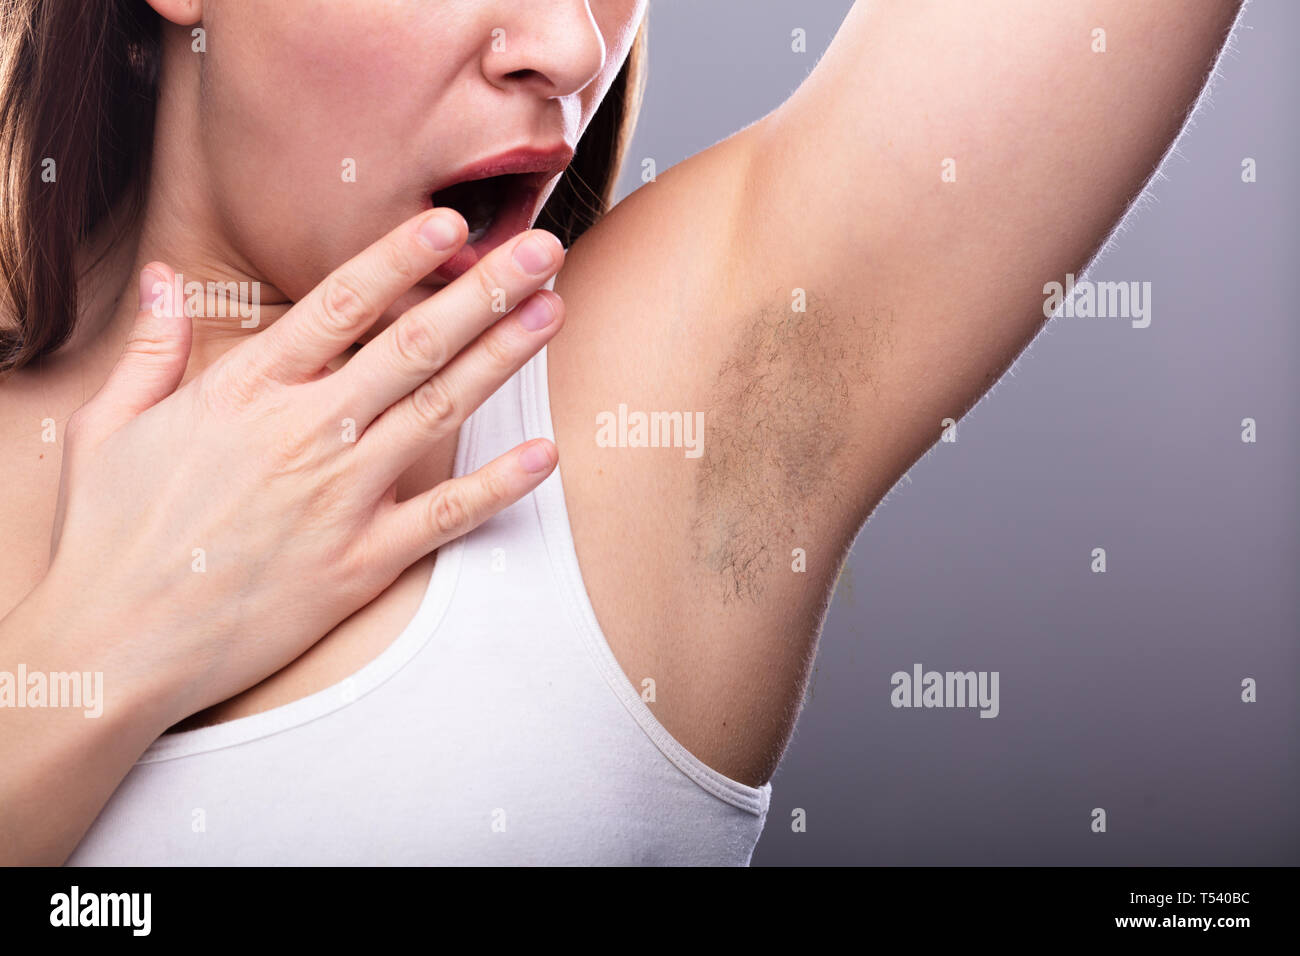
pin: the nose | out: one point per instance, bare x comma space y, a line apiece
553, 48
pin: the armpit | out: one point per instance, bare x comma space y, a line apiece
778, 424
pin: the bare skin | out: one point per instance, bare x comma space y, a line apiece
920, 293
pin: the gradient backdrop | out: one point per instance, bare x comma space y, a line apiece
1119, 690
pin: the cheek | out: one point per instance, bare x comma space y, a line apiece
302, 135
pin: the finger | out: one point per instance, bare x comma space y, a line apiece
440, 405
430, 335
349, 300
424, 523
154, 359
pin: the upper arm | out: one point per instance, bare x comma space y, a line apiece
1045, 142
816, 286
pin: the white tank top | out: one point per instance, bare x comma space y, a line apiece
498, 728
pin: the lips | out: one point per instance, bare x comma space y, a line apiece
498, 197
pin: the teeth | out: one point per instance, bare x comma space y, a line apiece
477, 234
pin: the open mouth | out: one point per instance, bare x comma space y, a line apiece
495, 209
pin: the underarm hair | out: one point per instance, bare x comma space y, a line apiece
777, 425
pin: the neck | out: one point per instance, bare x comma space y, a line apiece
179, 225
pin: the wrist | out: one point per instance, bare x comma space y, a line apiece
105, 649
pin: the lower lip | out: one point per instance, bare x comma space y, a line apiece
515, 216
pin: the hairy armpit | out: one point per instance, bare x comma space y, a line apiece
777, 425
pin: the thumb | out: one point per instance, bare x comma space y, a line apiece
156, 353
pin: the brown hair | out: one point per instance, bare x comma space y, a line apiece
78, 87
586, 190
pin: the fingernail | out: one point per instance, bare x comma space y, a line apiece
152, 287
535, 458
536, 313
536, 254
439, 232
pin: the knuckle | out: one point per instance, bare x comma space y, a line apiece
225, 387
499, 353
397, 260
449, 515
294, 448
292, 452
359, 576
330, 498
342, 306
419, 345
355, 562
147, 340
495, 488
492, 288
434, 404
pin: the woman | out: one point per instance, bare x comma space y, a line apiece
305, 522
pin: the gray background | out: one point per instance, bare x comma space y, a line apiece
1119, 690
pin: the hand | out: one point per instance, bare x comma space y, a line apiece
207, 535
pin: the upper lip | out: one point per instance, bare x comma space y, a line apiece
543, 162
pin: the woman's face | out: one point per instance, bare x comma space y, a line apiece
323, 124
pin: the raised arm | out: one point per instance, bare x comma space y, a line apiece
829, 285
943, 162
948, 158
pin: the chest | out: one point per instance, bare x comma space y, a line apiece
484, 748
32, 424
